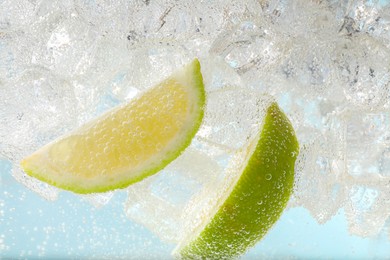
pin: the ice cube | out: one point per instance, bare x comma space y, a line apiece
248, 48
361, 72
15, 14
43, 189
368, 139
217, 74
360, 16
233, 116
159, 201
34, 111
367, 210
318, 185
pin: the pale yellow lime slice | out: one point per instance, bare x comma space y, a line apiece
128, 143
255, 201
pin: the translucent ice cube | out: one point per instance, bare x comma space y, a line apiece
233, 116
361, 71
15, 14
43, 189
31, 112
367, 210
368, 139
318, 185
364, 16
159, 201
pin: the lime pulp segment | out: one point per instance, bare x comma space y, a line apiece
128, 143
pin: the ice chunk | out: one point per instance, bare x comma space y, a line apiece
233, 116
248, 48
176, 200
15, 14
33, 111
318, 185
361, 72
368, 140
43, 189
368, 209
159, 202
217, 74
360, 16
347, 168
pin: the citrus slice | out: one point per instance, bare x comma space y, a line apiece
128, 143
256, 198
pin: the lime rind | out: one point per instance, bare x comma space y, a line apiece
190, 76
256, 200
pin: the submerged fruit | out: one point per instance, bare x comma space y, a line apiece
257, 198
128, 143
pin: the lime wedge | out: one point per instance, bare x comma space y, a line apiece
128, 143
255, 200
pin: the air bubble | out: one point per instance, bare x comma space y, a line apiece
158, 146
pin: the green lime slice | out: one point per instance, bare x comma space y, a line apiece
257, 198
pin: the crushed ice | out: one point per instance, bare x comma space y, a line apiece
327, 63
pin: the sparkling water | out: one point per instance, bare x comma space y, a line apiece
327, 64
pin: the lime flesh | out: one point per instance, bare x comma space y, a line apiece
257, 199
128, 143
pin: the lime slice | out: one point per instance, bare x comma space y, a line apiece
255, 200
128, 143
